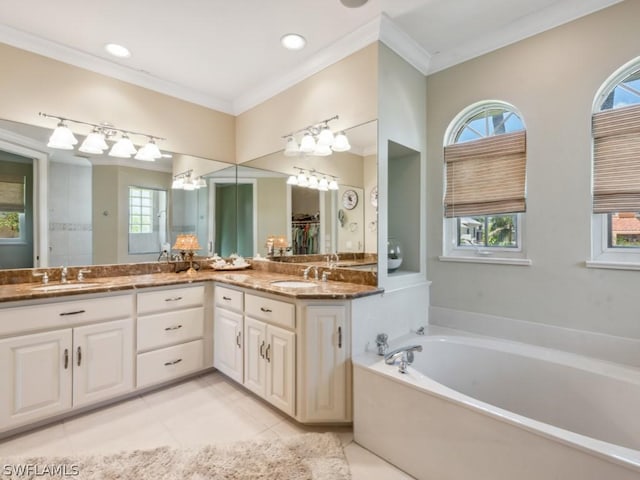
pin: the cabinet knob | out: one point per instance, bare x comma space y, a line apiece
226, 298
261, 349
168, 364
265, 310
79, 355
339, 337
238, 339
176, 327
66, 358
267, 353
173, 299
75, 312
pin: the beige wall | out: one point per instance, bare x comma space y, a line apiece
552, 79
31, 83
347, 88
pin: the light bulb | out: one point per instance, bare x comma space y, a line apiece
123, 148
302, 180
307, 144
149, 152
62, 138
323, 185
94, 143
321, 150
313, 182
325, 137
333, 185
292, 149
292, 180
341, 143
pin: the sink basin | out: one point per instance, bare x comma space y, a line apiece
293, 284
61, 287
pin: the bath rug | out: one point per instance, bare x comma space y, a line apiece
310, 456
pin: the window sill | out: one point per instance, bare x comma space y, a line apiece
613, 265
524, 262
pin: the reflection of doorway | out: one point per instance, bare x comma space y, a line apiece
16, 211
305, 221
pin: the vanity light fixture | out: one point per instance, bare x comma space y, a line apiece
317, 140
313, 180
185, 181
96, 141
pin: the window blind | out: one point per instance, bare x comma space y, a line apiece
616, 160
11, 194
486, 176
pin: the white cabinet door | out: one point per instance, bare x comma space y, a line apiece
255, 345
326, 382
280, 358
227, 343
35, 377
102, 361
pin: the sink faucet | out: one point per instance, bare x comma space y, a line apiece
63, 274
330, 260
405, 354
305, 273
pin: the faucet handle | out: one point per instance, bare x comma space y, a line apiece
44, 275
325, 276
81, 273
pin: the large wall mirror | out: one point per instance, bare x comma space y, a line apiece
78, 209
313, 221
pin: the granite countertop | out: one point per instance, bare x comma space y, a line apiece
252, 279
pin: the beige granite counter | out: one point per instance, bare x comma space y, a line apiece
260, 280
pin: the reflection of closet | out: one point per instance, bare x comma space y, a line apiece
305, 221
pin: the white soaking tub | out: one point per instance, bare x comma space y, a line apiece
481, 408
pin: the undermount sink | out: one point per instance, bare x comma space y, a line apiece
64, 286
293, 284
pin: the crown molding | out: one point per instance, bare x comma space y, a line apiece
56, 51
401, 43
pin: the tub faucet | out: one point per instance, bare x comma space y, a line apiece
405, 354
381, 342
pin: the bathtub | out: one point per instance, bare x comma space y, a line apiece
481, 408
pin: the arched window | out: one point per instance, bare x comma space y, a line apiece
485, 180
616, 166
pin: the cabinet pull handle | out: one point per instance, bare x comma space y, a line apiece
266, 310
267, 353
66, 358
177, 327
226, 298
75, 312
262, 349
339, 337
238, 339
168, 364
172, 299
79, 352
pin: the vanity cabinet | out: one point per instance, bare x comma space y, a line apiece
71, 364
170, 332
228, 326
324, 365
294, 354
269, 357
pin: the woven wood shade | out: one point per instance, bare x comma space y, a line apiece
486, 176
11, 194
616, 160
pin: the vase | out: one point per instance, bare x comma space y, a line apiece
394, 255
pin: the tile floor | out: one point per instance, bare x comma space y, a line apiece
206, 409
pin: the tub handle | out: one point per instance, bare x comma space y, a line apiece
405, 354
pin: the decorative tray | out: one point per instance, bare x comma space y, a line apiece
229, 266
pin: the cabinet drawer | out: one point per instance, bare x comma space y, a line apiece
162, 329
64, 314
228, 298
171, 299
171, 362
272, 311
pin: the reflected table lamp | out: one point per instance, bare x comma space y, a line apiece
187, 243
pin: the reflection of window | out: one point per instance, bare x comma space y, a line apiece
12, 208
140, 210
147, 220
485, 192
616, 168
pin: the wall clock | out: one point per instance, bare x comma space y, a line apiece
350, 199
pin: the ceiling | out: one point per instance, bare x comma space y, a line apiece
226, 54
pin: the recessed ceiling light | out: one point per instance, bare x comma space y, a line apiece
117, 50
293, 41
353, 3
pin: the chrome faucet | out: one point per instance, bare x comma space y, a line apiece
405, 354
63, 274
381, 342
337, 258
305, 273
